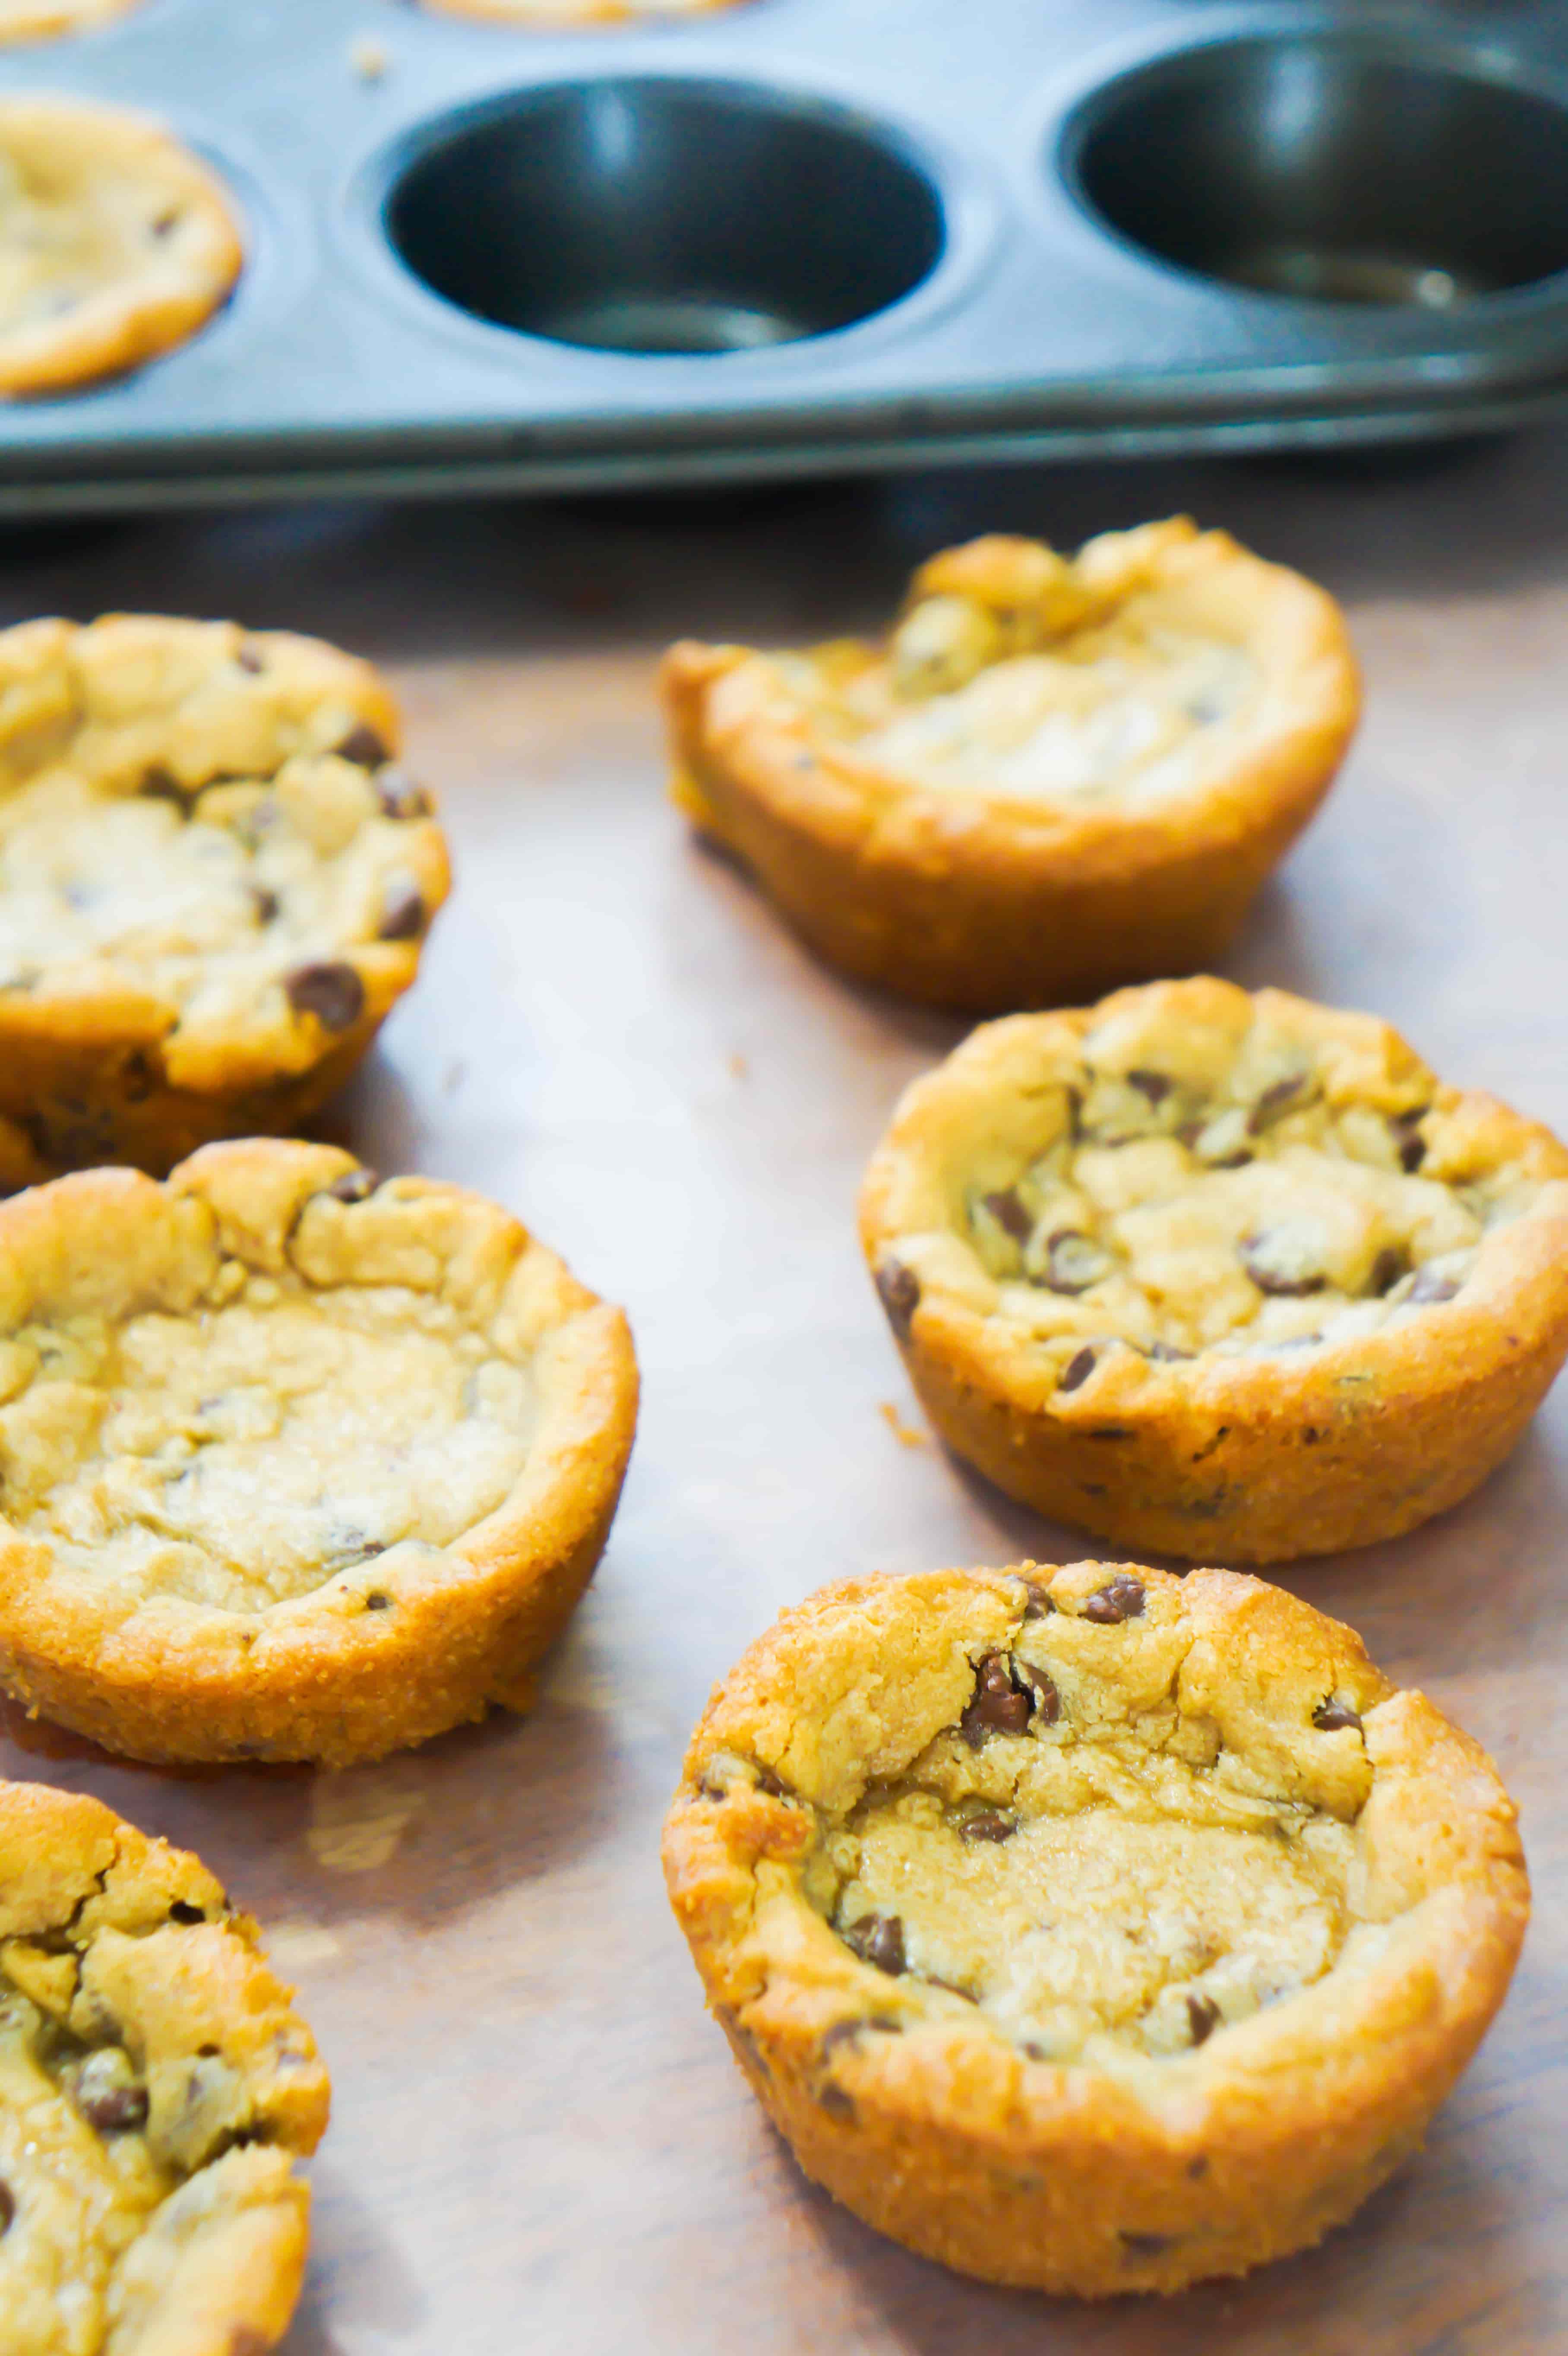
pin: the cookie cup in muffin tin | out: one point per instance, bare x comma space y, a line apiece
296, 1465
217, 884
1057, 775
156, 2087
1198, 1918
1212, 1274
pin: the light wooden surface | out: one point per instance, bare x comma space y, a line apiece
539, 2141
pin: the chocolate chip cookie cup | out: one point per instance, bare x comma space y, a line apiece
1090, 1930
117, 242
156, 2086
1057, 774
295, 1464
1210, 1274
215, 884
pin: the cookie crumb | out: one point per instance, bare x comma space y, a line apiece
906, 1434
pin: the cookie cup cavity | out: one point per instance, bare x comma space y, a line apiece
219, 886
1152, 2157
1320, 1408
158, 2088
393, 1625
985, 895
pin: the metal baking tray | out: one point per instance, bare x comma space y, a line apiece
813, 234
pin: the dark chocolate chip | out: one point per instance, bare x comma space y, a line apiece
997, 1706
1412, 1153
265, 903
990, 1825
1430, 1288
1275, 1100
363, 747
1203, 2016
115, 2110
1077, 1371
1137, 2247
400, 796
182, 1911
1010, 1215
1199, 2168
1408, 1142
1047, 1700
1039, 1605
879, 1939
1120, 1599
845, 2032
1075, 1261
159, 785
1330, 1716
1156, 1086
1113, 1431
249, 660
354, 1186
1276, 1267
835, 2101
378, 1602
403, 911
7, 2207
900, 1290
333, 993
774, 1785
1389, 1267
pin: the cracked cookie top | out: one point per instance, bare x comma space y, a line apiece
205, 842
1096, 1817
1147, 668
1187, 1172
115, 242
154, 2081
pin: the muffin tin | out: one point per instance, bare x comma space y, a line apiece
806, 234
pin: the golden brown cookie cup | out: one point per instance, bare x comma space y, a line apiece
938, 2130
386, 1653
103, 1067
987, 901
1256, 1459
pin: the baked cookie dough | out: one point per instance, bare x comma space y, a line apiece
1058, 774
116, 244
46, 20
1091, 1929
154, 2087
1213, 1274
214, 883
294, 1464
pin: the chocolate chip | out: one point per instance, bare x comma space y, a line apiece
774, 1785
363, 747
990, 1825
1276, 1101
1278, 1263
845, 2032
1409, 1144
1199, 2168
7, 2207
182, 1911
265, 903
1077, 1371
1390, 1264
403, 911
333, 993
1165, 1354
1039, 1605
1330, 1716
1075, 1261
835, 2100
1430, 1288
879, 1939
400, 794
997, 1706
1137, 2247
354, 1186
1047, 1700
160, 785
115, 2110
900, 1290
137, 1079
378, 1602
1203, 2017
1010, 1215
1120, 1599
249, 660
1156, 1086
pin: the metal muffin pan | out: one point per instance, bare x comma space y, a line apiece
806, 234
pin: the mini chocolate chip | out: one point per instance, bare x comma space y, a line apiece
1120, 1599
1156, 1086
249, 660
1330, 1716
208, 2053
1137, 2247
1275, 1101
7, 2207
996, 1706
1390, 1265
333, 993
878, 1939
1203, 2016
835, 2101
363, 747
774, 1785
183, 1912
900, 1290
1039, 1605
403, 911
265, 903
1275, 1263
378, 1602
116, 2109
845, 2032
1075, 1261
1430, 1288
400, 796
354, 1186
1412, 1153
1113, 1431
1199, 2168
1409, 1144
159, 785
1077, 1371
990, 1825
1010, 1215
1047, 1700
